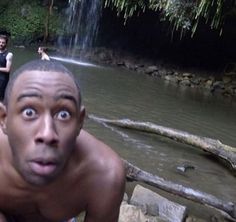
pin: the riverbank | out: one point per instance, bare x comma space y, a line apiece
145, 205
218, 83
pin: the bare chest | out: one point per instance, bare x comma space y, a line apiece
51, 205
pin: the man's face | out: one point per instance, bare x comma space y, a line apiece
3, 44
40, 51
43, 121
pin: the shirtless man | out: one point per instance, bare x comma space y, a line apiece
50, 168
43, 54
5, 64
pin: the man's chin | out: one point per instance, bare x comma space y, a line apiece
38, 180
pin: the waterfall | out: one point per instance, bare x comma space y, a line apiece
81, 25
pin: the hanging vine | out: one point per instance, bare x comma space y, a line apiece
184, 15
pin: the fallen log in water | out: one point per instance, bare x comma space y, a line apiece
215, 147
212, 146
133, 173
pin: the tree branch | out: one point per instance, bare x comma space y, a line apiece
209, 145
134, 173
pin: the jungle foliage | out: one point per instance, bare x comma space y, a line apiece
26, 20
184, 15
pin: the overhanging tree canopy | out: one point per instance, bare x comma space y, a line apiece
183, 14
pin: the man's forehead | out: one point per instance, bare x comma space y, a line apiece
30, 78
42, 74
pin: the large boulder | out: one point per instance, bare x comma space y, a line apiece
154, 204
131, 213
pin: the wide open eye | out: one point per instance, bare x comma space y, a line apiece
29, 113
63, 115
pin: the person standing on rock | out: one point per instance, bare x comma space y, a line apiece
5, 64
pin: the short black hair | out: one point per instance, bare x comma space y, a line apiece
4, 37
40, 65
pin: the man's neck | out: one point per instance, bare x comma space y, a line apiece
3, 50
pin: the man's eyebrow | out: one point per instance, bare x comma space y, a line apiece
67, 96
25, 95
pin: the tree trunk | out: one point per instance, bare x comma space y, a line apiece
209, 145
46, 25
133, 173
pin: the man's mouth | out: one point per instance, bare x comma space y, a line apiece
43, 167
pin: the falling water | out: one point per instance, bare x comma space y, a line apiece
81, 25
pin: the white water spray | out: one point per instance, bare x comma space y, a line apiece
72, 61
82, 23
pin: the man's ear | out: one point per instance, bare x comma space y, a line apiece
3, 117
81, 117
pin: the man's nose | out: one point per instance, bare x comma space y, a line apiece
47, 131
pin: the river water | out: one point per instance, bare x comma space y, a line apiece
115, 93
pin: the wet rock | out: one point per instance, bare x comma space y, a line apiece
176, 73
125, 198
156, 205
139, 70
163, 72
129, 65
131, 213
156, 74
170, 72
226, 79
151, 69
193, 219
186, 166
229, 89
218, 84
196, 81
171, 78
209, 83
138, 67
188, 75
104, 56
185, 82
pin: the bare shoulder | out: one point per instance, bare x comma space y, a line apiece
106, 182
104, 163
99, 155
